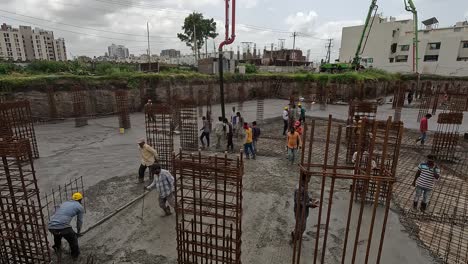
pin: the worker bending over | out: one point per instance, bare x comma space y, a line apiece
60, 226
164, 183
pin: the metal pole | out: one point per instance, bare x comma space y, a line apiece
221, 82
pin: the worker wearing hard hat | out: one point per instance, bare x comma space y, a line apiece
59, 224
285, 119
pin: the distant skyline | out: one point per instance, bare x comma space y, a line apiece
90, 26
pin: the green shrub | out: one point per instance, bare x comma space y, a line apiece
107, 68
250, 68
9, 68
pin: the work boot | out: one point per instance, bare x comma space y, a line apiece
423, 207
415, 205
167, 210
141, 180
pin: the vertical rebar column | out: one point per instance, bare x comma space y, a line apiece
189, 125
23, 234
366, 111
260, 103
79, 107
446, 138
208, 208
52, 104
17, 117
159, 133
121, 99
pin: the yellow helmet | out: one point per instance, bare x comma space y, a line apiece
286, 108
299, 104
77, 196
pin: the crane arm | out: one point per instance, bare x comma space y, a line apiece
356, 59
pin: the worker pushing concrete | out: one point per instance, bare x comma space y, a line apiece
149, 156
302, 203
285, 120
60, 227
205, 132
220, 130
164, 183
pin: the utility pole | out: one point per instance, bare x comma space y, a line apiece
206, 47
149, 51
328, 47
294, 47
271, 52
281, 43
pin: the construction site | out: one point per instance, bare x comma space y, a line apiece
334, 176
230, 209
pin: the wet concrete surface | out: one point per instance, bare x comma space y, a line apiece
108, 162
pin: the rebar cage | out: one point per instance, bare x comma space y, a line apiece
189, 125
79, 106
447, 135
208, 208
23, 235
17, 122
121, 99
324, 169
160, 132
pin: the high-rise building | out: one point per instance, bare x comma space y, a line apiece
170, 53
26, 44
117, 51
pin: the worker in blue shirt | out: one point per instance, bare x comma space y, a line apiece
60, 226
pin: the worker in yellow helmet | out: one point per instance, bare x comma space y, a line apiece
285, 120
60, 227
302, 113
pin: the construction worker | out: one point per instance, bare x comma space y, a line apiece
149, 156
293, 142
219, 132
60, 227
229, 135
205, 132
164, 183
149, 111
285, 120
302, 203
298, 127
248, 147
302, 113
240, 125
423, 127
428, 172
256, 135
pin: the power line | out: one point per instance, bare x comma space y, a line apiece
99, 30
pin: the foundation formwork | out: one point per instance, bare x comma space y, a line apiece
160, 132
189, 125
17, 122
325, 169
79, 106
366, 111
121, 99
208, 208
23, 235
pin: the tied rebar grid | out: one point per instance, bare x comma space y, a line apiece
260, 103
443, 227
384, 136
121, 98
324, 170
79, 106
189, 125
17, 119
457, 103
208, 208
23, 235
160, 132
6, 94
367, 111
51, 201
447, 135
399, 96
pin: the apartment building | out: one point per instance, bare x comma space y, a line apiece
118, 52
170, 53
26, 44
389, 46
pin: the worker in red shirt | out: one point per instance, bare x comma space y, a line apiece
423, 127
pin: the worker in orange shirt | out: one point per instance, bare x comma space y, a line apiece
294, 142
248, 147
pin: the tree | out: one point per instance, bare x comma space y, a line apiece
204, 28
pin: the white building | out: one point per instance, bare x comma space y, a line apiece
25, 44
442, 51
118, 51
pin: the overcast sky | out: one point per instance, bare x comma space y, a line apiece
89, 26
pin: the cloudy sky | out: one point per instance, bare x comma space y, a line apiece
89, 26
